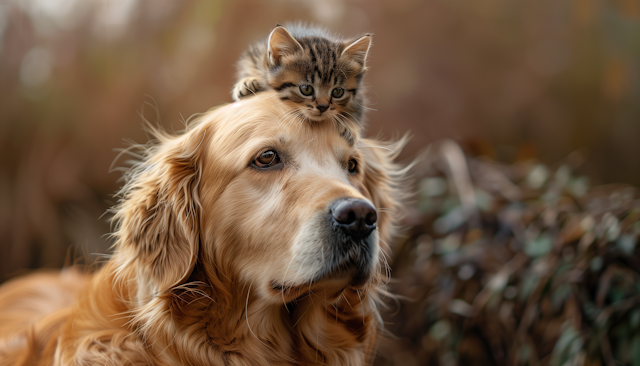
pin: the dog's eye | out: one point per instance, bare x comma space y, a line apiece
267, 159
352, 166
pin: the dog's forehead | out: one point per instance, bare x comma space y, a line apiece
253, 124
316, 139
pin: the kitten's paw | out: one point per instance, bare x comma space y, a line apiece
244, 87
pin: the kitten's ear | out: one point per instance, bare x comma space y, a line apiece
359, 49
281, 43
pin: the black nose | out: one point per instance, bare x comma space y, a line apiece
356, 217
322, 107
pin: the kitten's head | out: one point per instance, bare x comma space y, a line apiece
319, 74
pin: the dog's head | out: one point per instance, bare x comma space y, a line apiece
261, 199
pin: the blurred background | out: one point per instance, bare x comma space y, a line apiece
544, 92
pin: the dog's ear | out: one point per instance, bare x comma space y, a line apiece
158, 218
384, 180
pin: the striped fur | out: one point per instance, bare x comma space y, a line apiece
297, 57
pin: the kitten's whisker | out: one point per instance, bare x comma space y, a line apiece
284, 113
285, 116
282, 116
294, 117
282, 119
336, 122
371, 109
354, 118
341, 120
278, 104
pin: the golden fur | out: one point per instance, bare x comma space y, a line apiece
200, 239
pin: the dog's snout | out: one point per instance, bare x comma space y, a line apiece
356, 217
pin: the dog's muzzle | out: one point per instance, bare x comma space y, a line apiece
348, 247
353, 221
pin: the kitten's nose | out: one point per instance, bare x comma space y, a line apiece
322, 107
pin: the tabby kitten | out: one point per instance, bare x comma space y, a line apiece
319, 74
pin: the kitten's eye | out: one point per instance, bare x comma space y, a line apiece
337, 92
267, 159
352, 166
306, 90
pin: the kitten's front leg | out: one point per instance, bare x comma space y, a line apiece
244, 87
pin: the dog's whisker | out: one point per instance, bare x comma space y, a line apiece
386, 255
361, 305
284, 280
383, 209
348, 303
336, 309
246, 314
301, 317
300, 268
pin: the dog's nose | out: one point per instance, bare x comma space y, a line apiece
322, 107
356, 217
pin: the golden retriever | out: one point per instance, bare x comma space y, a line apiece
253, 238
